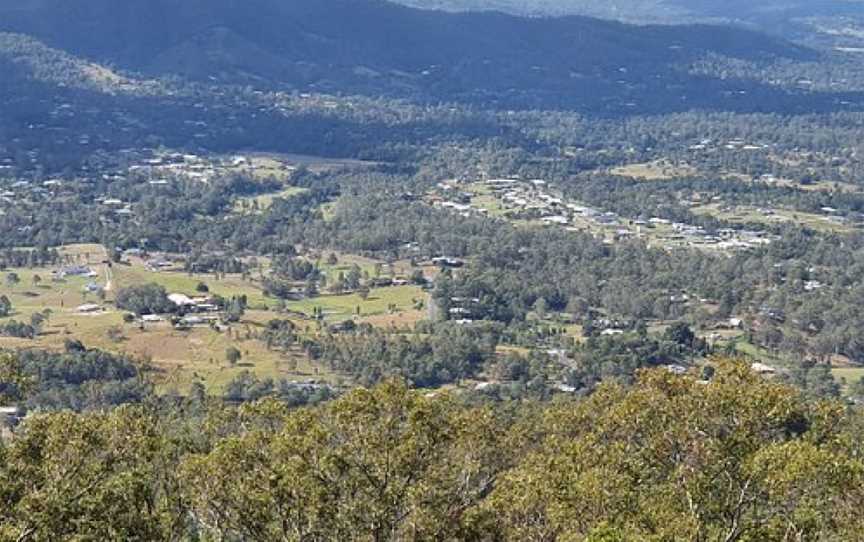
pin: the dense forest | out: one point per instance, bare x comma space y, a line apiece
388, 463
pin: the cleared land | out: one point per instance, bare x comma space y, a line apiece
260, 203
655, 171
850, 375
180, 357
744, 214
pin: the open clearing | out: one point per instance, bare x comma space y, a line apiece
315, 164
848, 374
259, 204
659, 170
743, 214
180, 357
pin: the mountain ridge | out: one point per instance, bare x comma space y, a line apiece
373, 47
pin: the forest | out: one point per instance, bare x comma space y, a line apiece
636, 462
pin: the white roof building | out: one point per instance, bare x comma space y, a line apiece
181, 300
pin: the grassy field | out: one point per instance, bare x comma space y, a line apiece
179, 282
848, 374
654, 171
259, 204
180, 357
747, 214
318, 164
343, 307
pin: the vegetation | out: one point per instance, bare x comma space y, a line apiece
265, 276
390, 463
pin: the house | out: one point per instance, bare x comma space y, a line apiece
763, 369
152, 318
193, 321
75, 271
812, 285
158, 263
444, 261
181, 300
611, 332
557, 219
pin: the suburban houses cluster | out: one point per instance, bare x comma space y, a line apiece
163, 168
534, 201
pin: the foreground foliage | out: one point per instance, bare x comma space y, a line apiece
670, 458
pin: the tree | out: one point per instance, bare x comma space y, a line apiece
145, 299
364, 292
12, 279
233, 355
14, 383
352, 280
37, 280
96, 477
319, 475
540, 308
310, 290
115, 334
202, 288
37, 319
680, 333
338, 285
652, 475
5, 306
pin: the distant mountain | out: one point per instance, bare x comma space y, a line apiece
647, 11
379, 48
820, 23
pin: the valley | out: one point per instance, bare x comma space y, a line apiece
314, 270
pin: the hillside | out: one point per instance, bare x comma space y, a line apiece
374, 48
644, 11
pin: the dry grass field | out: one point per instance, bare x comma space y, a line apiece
179, 357
654, 171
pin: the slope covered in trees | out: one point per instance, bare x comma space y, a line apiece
724, 455
372, 47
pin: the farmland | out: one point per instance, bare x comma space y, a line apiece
179, 356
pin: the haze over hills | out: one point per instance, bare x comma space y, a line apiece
677, 11
378, 48
820, 23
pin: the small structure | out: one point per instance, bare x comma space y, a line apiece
89, 308
763, 369
181, 300
445, 261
